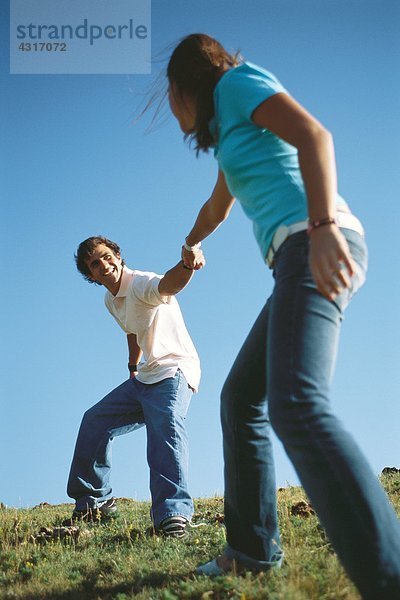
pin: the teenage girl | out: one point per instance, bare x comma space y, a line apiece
278, 161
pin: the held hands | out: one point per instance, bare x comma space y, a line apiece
193, 259
330, 261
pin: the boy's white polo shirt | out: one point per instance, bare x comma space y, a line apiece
159, 327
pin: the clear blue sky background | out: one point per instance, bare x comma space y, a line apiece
73, 165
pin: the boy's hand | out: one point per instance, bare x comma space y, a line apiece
193, 259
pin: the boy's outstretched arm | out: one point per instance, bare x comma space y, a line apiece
178, 277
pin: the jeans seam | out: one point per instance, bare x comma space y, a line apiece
236, 456
173, 421
176, 449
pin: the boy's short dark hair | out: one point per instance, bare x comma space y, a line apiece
87, 248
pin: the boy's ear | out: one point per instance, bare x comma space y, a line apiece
89, 275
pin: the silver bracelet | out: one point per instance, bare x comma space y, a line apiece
191, 248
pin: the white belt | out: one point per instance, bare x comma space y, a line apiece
343, 219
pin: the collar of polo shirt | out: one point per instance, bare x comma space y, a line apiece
125, 282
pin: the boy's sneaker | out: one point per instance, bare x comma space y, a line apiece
101, 513
173, 527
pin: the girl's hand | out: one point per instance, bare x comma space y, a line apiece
193, 260
330, 261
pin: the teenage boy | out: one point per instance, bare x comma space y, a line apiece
156, 395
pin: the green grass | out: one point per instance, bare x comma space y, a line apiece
117, 561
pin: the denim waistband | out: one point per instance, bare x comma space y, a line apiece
344, 218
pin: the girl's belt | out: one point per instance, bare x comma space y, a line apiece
344, 219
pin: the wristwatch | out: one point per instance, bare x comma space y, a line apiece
191, 248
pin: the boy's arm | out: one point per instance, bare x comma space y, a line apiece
135, 352
178, 277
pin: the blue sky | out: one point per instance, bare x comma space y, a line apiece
73, 164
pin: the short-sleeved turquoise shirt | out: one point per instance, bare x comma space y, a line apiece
261, 170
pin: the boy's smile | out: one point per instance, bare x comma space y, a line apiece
105, 268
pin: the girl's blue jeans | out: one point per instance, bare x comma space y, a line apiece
281, 379
162, 407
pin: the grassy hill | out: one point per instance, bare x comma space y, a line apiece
118, 561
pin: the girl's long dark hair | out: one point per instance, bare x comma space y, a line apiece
195, 67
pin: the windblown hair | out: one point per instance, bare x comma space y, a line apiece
195, 67
86, 250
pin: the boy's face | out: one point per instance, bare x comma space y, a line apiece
105, 268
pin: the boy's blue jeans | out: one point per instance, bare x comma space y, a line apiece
285, 368
162, 407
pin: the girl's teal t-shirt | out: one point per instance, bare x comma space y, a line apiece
261, 170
